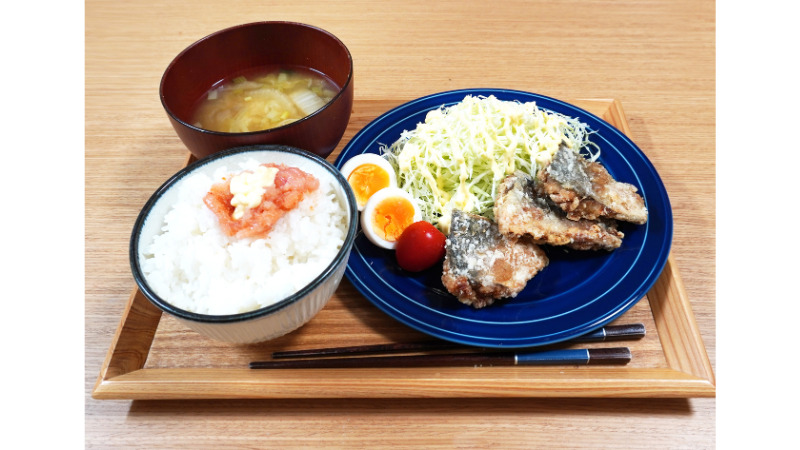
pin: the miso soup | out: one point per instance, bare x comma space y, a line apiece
261, 100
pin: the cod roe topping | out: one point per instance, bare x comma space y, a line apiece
250, 203
249, 187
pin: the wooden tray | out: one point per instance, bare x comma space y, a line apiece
154, 357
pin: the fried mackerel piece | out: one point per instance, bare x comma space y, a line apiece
481, 265
585, 189
520, 211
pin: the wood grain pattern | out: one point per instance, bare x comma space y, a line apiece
132, 340
676, 321
657, 58
675, 365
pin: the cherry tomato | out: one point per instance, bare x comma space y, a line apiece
421, 245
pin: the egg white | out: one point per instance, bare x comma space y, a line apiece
369, 158
369, 212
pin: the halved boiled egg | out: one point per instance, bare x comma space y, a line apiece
367, 174
387, 214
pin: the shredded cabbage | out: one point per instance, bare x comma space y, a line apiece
460, 154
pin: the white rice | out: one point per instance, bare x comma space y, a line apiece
193, 265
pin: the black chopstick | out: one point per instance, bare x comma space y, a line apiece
613, 333
605, 334
620, 355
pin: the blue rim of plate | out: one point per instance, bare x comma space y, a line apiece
577, 293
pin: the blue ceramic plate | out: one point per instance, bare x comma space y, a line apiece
578, 292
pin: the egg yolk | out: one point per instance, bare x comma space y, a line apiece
391, 217
366, 180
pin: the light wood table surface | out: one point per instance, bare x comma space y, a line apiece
657, 58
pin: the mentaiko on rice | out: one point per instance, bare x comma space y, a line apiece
195, 266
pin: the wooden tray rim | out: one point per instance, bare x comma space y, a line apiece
123, 376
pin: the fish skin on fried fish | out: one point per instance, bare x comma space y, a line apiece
482, 265
520, 211
585, 190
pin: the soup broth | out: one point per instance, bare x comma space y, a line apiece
262, 100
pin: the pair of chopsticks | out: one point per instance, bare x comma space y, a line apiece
321, 358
